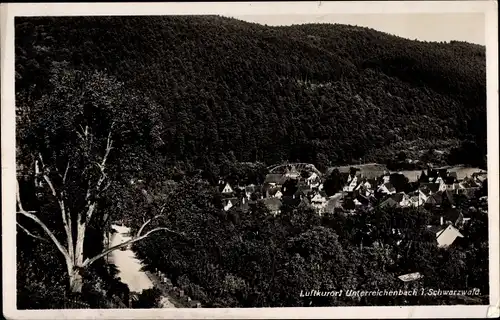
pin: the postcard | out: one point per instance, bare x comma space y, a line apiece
250, 160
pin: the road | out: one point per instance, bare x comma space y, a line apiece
130, 268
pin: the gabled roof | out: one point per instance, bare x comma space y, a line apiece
450, 227
273, 191
389, 203
398, 197
364, 200
389, 187
453, 215
303, 190
447, 195
436, 229
436, 198
469, 183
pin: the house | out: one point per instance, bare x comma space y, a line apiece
294, 202
402, 199
292, 172
225, 188
352, 182
429, 188
386, 188
386, 179
228, 203
415, 201
273, 205
389, 203
442, 184
480, 177
445, 234
365, 201
451, 184
318, 201
303, 191
273, 192
249, 190
332, 205
312, 177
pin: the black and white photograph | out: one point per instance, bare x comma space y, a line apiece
219, 160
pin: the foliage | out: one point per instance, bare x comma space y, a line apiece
194, 99
148, 299
355, 90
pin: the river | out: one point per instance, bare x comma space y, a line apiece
129, 267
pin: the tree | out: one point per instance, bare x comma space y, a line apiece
334, 182
402, 156
66, 142
399, 181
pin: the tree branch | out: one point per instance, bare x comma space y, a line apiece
65, 173
66, 217
145, 224
40, 223
29, 233
49, 182
88, 261
102, 166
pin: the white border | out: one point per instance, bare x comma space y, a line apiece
9, 11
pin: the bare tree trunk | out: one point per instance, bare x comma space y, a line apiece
78, 258
75, 280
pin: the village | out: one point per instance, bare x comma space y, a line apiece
358, 190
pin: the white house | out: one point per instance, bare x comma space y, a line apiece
228, 205
318, 201
367, 185
352, 182
278, 194
227, 189
446, 234
405, 201
445, 237
386, 188
442, 184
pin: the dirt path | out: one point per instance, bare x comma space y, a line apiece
130, 268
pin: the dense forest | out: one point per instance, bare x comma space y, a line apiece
229, 90
188, 100
254, 259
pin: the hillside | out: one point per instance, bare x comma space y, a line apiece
135, 119
229, 90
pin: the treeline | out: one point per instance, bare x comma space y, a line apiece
254, 259
231, 90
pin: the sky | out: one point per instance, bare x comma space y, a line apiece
468, 27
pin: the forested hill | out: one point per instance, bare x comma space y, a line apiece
229, 90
